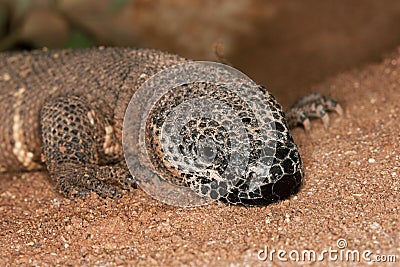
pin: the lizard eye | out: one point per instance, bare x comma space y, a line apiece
252, 175
207, 150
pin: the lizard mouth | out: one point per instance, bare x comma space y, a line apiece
269, 193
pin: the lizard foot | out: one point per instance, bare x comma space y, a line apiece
74, 135
78, 181
312, 106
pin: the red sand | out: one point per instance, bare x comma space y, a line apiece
351, 191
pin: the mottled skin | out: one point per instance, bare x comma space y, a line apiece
63, 110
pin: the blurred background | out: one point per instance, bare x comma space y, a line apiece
285, 45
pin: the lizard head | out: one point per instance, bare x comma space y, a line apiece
215, 134
211, 140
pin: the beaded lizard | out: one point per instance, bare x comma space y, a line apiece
63, 110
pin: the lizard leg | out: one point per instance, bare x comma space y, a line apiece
73, 135
312, 106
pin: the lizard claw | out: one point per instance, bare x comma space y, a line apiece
325, 120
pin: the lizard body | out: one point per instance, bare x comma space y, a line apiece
63, 111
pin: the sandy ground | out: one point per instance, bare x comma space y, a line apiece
351, 192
